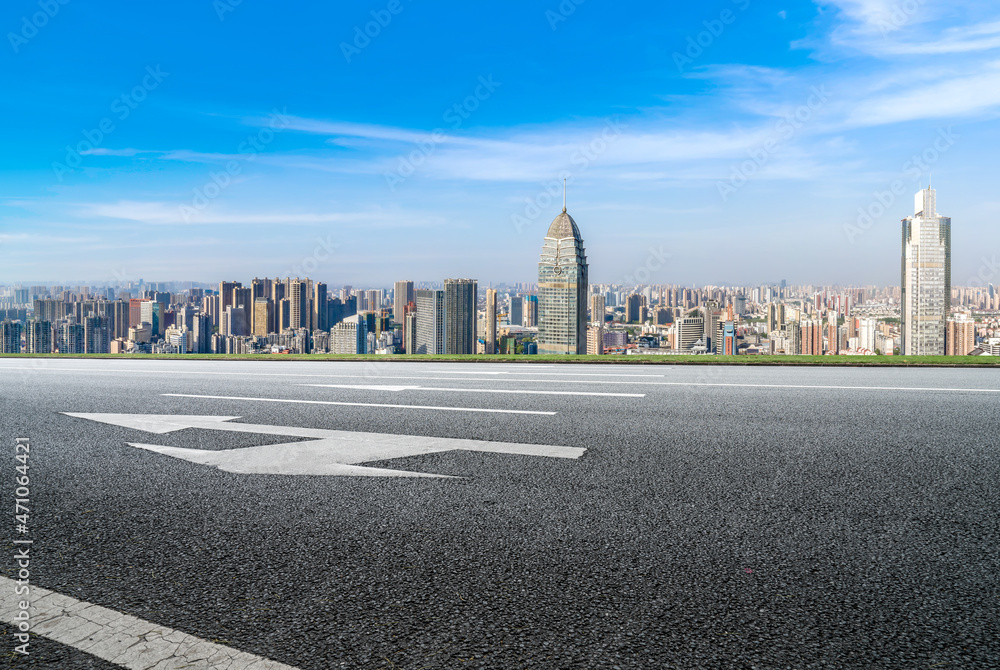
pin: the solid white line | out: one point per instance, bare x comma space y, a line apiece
461, 390
844, 388
540, 381
124, 640
359, 404
354, 376
555, 374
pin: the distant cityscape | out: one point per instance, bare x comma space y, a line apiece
560, 314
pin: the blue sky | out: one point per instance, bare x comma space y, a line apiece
739, 139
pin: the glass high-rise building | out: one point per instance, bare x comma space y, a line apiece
925, 298
402, 295
490, 336
460, 300
429, 337
563, 286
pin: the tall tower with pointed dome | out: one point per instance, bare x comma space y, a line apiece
563, 285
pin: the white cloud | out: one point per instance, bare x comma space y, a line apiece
955, 96
159, 213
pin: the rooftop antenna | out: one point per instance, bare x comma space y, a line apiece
564, 195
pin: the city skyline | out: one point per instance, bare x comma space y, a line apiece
785, 156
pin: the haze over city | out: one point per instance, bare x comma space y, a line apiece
436, 143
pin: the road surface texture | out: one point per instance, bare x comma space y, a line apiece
718, 518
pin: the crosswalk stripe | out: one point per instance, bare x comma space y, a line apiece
124, 640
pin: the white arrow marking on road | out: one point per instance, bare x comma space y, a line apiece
359, 404
124, 640
461, 390
328, 452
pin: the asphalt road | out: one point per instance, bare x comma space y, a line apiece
729, 518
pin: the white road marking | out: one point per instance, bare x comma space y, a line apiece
835, 388
494, 379
292, 374
555, 374
461, 390
124, 640
358, 404
329, 452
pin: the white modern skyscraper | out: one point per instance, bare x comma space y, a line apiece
490, 336
350, 336
402, 295
563, 286
429, 338
925, 299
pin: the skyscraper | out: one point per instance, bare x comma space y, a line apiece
236, 321
410, 332
202, 335
71, 340
430, 322
775, 316
152, 313
96, 334
515, 315
530, 311
633, 303
713, 315
373, 299
263, 317
226, 294
563, 285
961, 337
10, 337
402, 295
298, 294
597, 309
243, 298
350, 336
122, 314
38, 337
728, 346
490, 337
460, 298
689, 331
319, 311
925, 296
595, 339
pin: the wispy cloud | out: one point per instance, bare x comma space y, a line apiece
158, 213
102, 151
